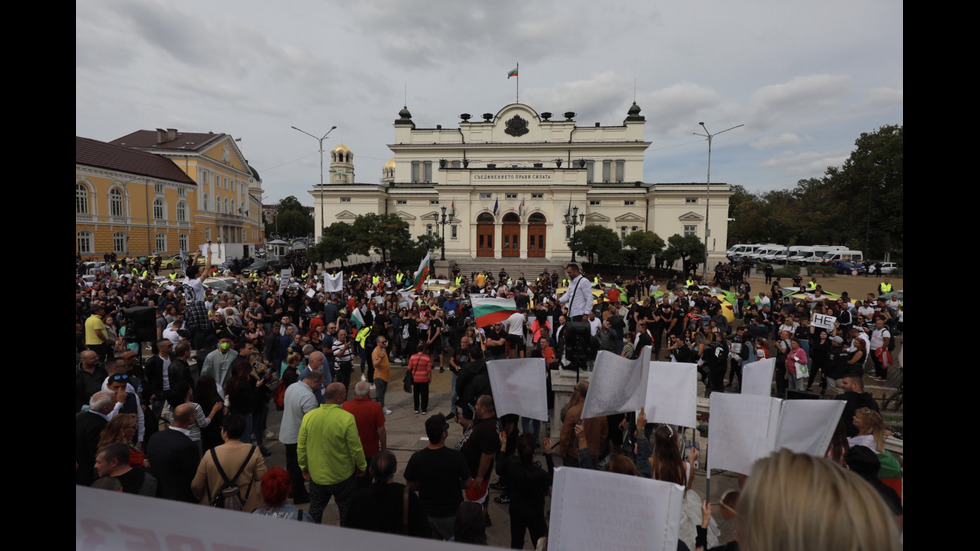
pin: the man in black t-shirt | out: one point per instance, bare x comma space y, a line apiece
479, 444
439, 474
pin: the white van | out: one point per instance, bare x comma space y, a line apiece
799, 253
735, 253
853, 256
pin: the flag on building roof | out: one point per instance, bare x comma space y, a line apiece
488, 311
421, 274
512, 73
453, 208
356, 318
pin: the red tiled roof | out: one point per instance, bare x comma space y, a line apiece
125, 159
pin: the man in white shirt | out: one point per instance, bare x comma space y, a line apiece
578, 297
297, 402
515, 334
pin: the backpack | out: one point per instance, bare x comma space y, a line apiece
229, 496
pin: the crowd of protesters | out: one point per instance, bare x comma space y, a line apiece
218, 360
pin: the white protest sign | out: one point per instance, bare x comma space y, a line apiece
806, 426
333, 283
519, 386
114, 520
744, 428
738, 430
672, 393
284, 276
602, 510
757, 377
618, 385
823, 321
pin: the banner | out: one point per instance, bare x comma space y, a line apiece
519, 386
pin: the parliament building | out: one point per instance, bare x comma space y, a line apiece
510, 184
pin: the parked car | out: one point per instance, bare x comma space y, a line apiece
888, 267
847, 267
260, 266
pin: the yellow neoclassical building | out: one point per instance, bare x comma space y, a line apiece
165, 191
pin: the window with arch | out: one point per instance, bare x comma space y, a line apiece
182, 211
84, 242
81, 199
159, 210
116, 203
119, 242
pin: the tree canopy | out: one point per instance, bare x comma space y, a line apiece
292, 220
339, 242
687, 248
382, 233
642, 246
596, 242
859, 204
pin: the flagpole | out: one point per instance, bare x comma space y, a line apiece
517, 97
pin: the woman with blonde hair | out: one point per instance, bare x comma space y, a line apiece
871, 430
796, 502
122, 428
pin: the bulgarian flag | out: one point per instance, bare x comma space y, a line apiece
488, 311
421, 274
520, 209
356, 318
512, 73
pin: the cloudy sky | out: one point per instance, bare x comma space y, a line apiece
804, 78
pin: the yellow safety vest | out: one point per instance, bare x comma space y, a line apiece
811, 286
173, 275
458, 280
399, 277
375, 280
689, 282
886, 288
362, 335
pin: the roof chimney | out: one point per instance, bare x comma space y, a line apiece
171, 134
161, 135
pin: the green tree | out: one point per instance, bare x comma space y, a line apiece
292, 219
871, 184
596, 242
644, 245
382, 233
338, 243
688, 249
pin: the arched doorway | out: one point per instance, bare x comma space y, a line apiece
511, 235
536, 232
484, 234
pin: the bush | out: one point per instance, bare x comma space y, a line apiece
787, 272
821, 270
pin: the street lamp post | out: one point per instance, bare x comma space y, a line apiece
320, 140
572, 221
443, 223
707, 198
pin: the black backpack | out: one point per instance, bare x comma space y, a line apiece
230, 496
